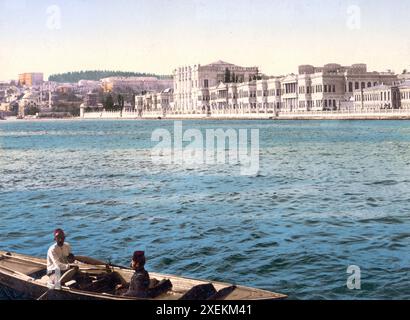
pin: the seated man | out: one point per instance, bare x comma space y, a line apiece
59, 257
139, 285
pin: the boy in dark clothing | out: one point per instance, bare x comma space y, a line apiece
139, 284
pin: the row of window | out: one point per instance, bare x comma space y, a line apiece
305, 104
405, 95
222, 106
327, 103
223, 94
245, 94
383, 96
290, 88
317, 89
240, 105
274, 92
360, 85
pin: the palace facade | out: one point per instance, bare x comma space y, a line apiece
224, 88
383, 97
193, 84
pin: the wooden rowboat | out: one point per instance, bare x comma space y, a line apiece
26, 276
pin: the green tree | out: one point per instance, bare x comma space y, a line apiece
109, 103
227, 75
14, 108
233, 78
121, 102
32, 110
133, 101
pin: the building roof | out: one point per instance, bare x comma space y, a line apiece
290, 78
30, 95
405, 84
129, 79
168, 90
376, 88
220, 62
221, 85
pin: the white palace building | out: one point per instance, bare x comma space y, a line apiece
224, 88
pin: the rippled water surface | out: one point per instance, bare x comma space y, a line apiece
328, 195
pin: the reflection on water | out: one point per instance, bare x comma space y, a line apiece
328, 195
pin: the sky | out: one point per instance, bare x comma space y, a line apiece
159, 35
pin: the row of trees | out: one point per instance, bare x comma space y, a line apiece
96, 75
231, 77
118, 105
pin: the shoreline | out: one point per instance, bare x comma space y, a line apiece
339, 117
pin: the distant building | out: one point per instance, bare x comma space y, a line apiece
404, 90
4, 106
4, 85
90, 100
331, 87
90, 104
89, 83
404, 76
377, 98
136, 84
225, 88
383, 97
29, 100
31, 79
192, 84
256, 96
85, 86
65, 88
289, 92
158, 102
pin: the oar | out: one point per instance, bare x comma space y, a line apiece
95, 262
44, 294
63, 279
88, 260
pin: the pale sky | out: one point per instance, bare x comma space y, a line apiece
158, 35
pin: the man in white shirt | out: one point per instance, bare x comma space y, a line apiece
59, 256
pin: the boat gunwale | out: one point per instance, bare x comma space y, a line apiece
267, 295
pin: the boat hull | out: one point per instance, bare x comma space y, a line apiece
17, 275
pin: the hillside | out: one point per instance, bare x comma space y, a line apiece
95, 75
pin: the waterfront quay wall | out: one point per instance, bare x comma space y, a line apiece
308, 115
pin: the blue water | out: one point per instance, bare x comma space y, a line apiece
328, 195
